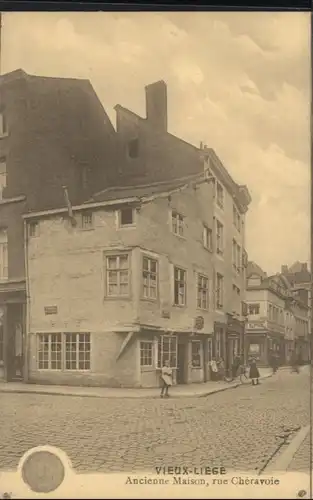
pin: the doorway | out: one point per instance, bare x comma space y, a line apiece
181, 363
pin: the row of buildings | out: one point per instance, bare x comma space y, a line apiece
123, 246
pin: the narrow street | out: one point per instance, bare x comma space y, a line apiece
235, 428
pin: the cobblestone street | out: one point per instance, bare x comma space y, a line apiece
235, 428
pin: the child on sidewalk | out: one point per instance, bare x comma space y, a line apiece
167, 379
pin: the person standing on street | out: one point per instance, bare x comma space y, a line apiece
167, 379
254, 372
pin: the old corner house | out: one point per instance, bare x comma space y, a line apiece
151, 270
54, 132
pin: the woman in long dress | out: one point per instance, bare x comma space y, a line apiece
254, 373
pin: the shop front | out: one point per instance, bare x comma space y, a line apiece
12, 331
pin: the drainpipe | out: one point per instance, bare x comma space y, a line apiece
27, 318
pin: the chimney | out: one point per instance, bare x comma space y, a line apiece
284, 269
156, 105
304, 267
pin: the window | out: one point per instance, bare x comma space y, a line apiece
63, 351
1, 336
177, 223
196, 354
50, 351
236, 218
146, 353
118, 275
149, 274
219, 237
203, 292
219, 290
133, 148
3, 254
3, 175
236, 256
3, 124
179, 287
167, 350
207, 237
218, 343
219, 195
270, 311
33, 229
87, 220
253, 309
77, 351
126, 217
210, 350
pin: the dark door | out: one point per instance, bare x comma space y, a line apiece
181, 364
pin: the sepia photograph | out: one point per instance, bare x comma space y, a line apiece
155, 255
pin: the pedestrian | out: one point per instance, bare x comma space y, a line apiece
167, 378
214, 369
254, 373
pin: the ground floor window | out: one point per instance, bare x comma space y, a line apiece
146, 353
196, 354
63, 351
167, 350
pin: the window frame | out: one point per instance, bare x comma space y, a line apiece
251, 306
178, 282
196, 343
220, 200
61, 342
90, 214
150, 273
118, 270
207, 237
170, 352
4, 254
201, 278
219, 291
180, 223
33, 224
151, 345
119, 218
219, 237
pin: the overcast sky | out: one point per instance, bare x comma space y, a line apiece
239, 82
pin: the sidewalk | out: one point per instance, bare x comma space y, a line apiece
178, 391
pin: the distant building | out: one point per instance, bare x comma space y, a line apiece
150, 271
278, 320
53, 132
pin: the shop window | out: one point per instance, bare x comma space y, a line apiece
63, 351
196, 354
167, 350
146, 353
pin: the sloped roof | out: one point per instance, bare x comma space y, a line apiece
254, 268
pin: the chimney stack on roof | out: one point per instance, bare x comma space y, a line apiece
304, 267
284, 269
156, 105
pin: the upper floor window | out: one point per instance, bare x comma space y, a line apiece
253, 309
149, 275
177, 223
133, 148
33, 229
118, 275
203, 292
219, 195
207, 237
179, 287
87, 220
219, 237
236, 256
126, 217
236, 218
3, 124
219, 291
3, 254
3, 175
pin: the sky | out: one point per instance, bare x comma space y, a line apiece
238, 82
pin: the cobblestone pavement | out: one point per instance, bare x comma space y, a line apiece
234, 428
